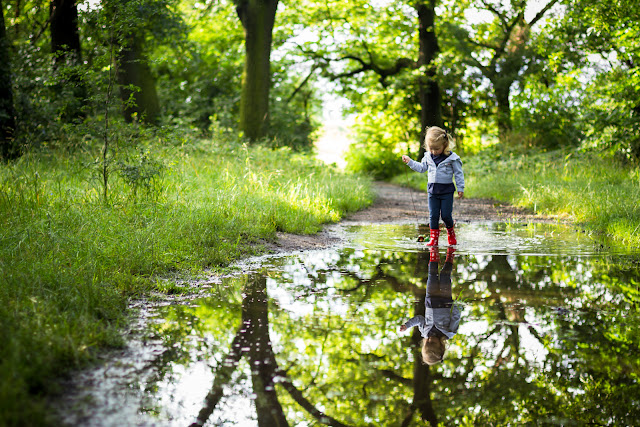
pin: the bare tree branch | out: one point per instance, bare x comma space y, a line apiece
223, 376
397, 67
306, 405
387, 373
500, 15
544, 10
407, 420
484, 45
507, 35
301, 85
44, 26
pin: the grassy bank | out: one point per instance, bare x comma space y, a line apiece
69, 261
600, 193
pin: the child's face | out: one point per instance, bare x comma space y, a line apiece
436, 151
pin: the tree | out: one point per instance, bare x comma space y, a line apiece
65, 36
500, 50
257, 18
67, 52
601, 37
430, 98
137, 83
367, 51
8, 149
201, 81
252, 340
130, 24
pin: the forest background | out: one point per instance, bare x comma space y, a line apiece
143, 140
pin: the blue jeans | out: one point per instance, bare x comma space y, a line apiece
440, 205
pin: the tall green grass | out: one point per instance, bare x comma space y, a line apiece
600, 193
69, 260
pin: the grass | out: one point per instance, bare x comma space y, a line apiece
69, 261
599, 193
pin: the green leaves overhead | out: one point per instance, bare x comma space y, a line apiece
547, 74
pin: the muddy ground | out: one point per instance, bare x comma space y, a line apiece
402, 205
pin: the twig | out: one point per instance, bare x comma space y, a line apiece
105, 149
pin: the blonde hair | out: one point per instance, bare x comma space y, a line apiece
437, 138
433, 349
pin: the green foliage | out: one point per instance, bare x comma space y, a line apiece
195, 52
614, 113
200, 81
387, 108
378, 149
591, 64
598, 192
577, 82
546, 117
69, 262
141, 171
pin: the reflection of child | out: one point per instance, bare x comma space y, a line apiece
442, 316
442, 166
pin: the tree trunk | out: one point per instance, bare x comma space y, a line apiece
504, 110
257, 17
66, 50
65, 37
255, 318
137, 84
421, 374
429, 90
223, 376
8, 148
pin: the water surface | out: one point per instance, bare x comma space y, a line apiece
548, 334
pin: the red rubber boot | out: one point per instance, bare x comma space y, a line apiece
434, 256
450, 252
451, 236
434, 235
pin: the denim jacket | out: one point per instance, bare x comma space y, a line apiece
442, 174
446, 320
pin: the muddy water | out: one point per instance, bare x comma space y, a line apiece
544, 329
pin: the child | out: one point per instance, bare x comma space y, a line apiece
442, 165
442, 316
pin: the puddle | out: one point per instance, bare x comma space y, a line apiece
548, 334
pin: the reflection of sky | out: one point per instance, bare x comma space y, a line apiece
531, 348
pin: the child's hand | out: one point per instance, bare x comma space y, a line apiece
461, 194
405, 159
403, 328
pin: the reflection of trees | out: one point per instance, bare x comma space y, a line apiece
252, 340
555, 387
554, 301
422, 380
341, 356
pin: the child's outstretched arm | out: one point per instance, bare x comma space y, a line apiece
416, 166
415, 321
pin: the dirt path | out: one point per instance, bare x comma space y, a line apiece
401, 205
